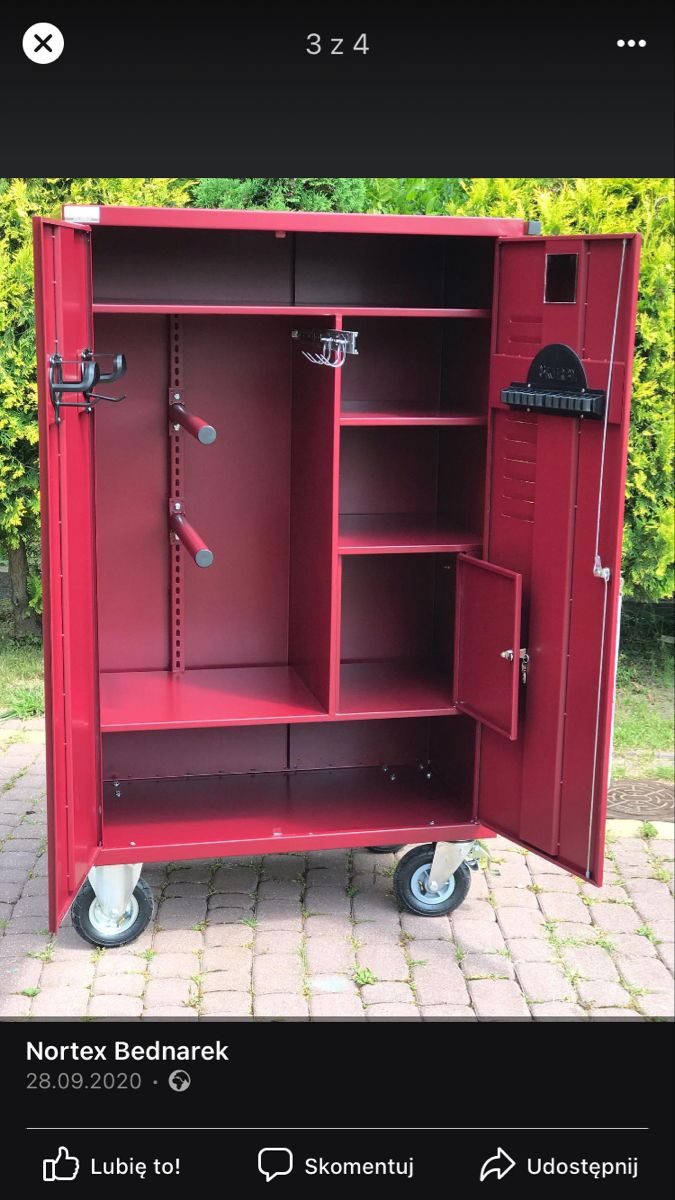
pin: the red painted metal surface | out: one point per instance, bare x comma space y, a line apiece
191, 540
487, 629
403, 534
388, 605
577, 843
359, 744
133, 487
198, 698
350, 269
190, 422
175, 560
314, 452
238, 492
206, 218
64, 326
173, 753
378, 689
251, 707
548, 790
266, 813
401, 484
398, 364
353, 416
287, 310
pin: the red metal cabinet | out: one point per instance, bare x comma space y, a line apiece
406, 629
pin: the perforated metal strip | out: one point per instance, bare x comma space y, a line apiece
177, 623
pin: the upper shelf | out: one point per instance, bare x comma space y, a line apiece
288, 310
390, 415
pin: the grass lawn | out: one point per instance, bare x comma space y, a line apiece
21, 690
643, 731
643, 728
643, 725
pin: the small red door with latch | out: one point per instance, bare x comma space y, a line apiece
65, 330
536, 625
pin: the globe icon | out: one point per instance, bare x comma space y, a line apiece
179, 1081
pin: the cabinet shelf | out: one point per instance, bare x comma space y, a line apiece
403, 535
351, 415
312, 809
292, 310
378, 689
198, 699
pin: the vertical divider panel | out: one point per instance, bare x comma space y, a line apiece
177, 616
336, 561
313, 523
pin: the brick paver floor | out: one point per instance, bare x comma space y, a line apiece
319, 935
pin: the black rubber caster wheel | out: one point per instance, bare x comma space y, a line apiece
383, 849
91, 925
411, 877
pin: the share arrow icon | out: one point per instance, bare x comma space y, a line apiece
500, 1164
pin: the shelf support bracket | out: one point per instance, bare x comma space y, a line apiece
181, 418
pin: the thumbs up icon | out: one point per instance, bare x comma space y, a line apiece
65, 1166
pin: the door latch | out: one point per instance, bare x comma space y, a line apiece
524, 661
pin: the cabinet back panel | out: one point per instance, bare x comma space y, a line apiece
237, 376
387, 607
358, 744
191, 266
398, 364
388, 470
353, 269
132, 468
465, 366
169, 754
468, 272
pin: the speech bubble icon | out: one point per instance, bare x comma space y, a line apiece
275, 1160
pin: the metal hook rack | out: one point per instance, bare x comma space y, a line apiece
90, 376
329, 347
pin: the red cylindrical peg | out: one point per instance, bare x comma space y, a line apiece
199, 429
194, 545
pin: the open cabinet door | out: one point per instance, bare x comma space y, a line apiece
65, 327
563, 325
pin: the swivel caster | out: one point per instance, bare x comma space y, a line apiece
412, 879
113, 906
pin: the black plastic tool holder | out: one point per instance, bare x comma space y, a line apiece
556, 384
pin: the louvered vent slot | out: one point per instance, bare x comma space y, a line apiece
524, 329
517, 465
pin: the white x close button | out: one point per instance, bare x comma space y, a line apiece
43, 43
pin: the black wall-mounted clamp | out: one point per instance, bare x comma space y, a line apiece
90, 376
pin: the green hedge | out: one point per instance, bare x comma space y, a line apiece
283, 195
562, 205
598, 206
20, 199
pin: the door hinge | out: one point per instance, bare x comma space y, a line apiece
524, 661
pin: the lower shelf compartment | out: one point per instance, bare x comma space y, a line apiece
263, 813
372, 689
204, 698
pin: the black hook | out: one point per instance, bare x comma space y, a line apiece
119, 369
90, 375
